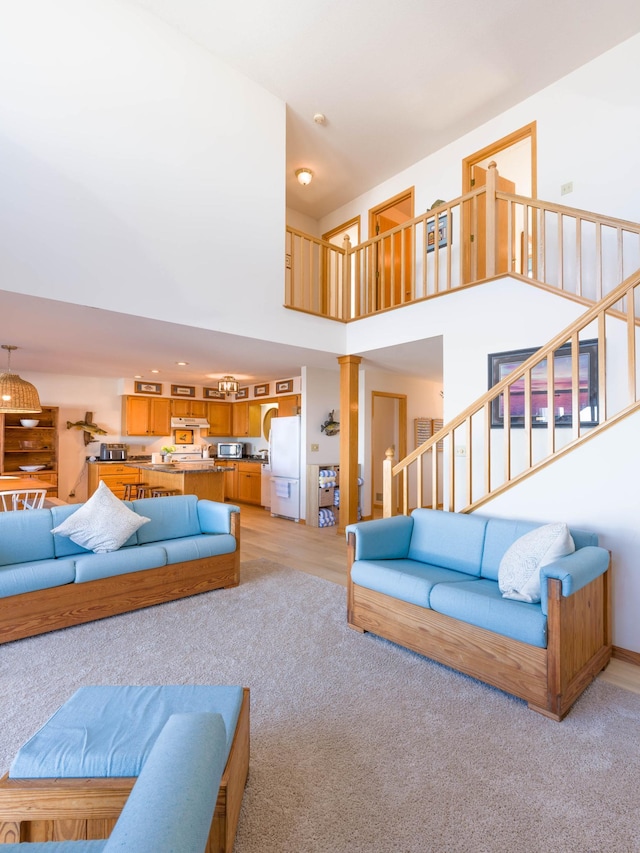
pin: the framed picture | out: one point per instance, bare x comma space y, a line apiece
183, 391
242, 394
148, 388
284, 387
557, 407
261, 390
213, 394
443, 232
184, 436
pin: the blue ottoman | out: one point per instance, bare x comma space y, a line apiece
72, 778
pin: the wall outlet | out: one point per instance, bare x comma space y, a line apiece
567, 188
315, 448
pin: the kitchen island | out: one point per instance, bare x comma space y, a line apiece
203, 479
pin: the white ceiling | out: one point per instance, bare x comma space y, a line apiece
396, 81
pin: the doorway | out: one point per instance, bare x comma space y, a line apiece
515, 156
391, 265
388, 429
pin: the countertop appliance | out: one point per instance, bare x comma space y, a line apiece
113, 452
230, 450
284, 459
187, 453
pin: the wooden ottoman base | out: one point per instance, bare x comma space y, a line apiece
73, 809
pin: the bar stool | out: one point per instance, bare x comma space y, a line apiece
134, 490
163, 493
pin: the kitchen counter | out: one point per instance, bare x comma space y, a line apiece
203, 479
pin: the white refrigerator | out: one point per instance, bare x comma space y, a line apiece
284, 459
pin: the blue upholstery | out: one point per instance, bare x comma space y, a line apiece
171, 805
171, 517
448, 539
91, 567
408, 580
25, 537
479, 602
65, 547
383, 539
27, 577
575, 570
197, 547
215, 517
110, 730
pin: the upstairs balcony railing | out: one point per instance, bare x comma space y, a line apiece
477, 236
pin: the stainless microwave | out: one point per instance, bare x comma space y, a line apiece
230, 450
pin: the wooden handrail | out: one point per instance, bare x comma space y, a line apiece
624, 294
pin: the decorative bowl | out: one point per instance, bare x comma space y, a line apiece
31, 467
29, 422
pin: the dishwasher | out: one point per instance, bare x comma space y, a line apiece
265, 485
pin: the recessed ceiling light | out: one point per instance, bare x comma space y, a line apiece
155, 371
138, 376
182, 363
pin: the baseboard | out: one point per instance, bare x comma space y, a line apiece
626, 655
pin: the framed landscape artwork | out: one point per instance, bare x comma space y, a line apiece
183, 391
558, 407
284, 387
148, 388
261, 390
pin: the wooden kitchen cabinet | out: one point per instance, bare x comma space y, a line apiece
113, 475
249, 482
189, 408
288, 406
146, 416
246, 420
219, 417
230, 479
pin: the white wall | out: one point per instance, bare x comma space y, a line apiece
321, 394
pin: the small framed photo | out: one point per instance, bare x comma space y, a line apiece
443, 232
183, 390
184, 436
261, 390
242, 394
148, 388
284, 387
213, 394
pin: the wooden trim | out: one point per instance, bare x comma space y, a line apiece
46, 610
494, 148
401, 449
391, 202
349, 375
626, 655
343, 227
69, 809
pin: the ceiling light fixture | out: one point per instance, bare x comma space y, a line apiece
304, 176
17, 395
228, 385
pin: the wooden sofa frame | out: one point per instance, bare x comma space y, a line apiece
84, 809
550, 680
43, 610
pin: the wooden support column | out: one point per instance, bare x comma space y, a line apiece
349, 367
491, 225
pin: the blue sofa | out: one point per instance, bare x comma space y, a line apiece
172, 803
429, 582
49, 582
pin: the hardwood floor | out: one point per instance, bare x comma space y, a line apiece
322, 552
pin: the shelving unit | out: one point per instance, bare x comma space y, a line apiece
25, 446
321, 498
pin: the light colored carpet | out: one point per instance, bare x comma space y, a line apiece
356, 745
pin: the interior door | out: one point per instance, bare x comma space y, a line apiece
502, 233
392, 261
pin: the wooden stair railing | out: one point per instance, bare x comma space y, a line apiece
495, 459
583, 255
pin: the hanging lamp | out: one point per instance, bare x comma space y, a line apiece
17, 396
228, 385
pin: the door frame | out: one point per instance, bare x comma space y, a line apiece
374, 212
401, 428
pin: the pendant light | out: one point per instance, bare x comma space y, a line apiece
228, 385
17, 396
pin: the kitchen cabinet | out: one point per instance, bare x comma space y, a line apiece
219, 417
146, 416
249, 482
246, 420
189, 408
29, 446
113, 475
230, 479
288, 406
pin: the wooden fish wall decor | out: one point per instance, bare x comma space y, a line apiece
330, 426
90, 430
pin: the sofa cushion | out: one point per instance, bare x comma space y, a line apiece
91, 567
519, 570
171, 517
25, 536
102, 524
42, 574
109, 730
408, 580
382, 538
448, 539
196, 547
480, 602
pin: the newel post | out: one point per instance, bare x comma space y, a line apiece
346, 277
387, 483
492, 212
349, 372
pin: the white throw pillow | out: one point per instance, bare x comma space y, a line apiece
102, 524
519, 569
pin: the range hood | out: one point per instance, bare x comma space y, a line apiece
190, 423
